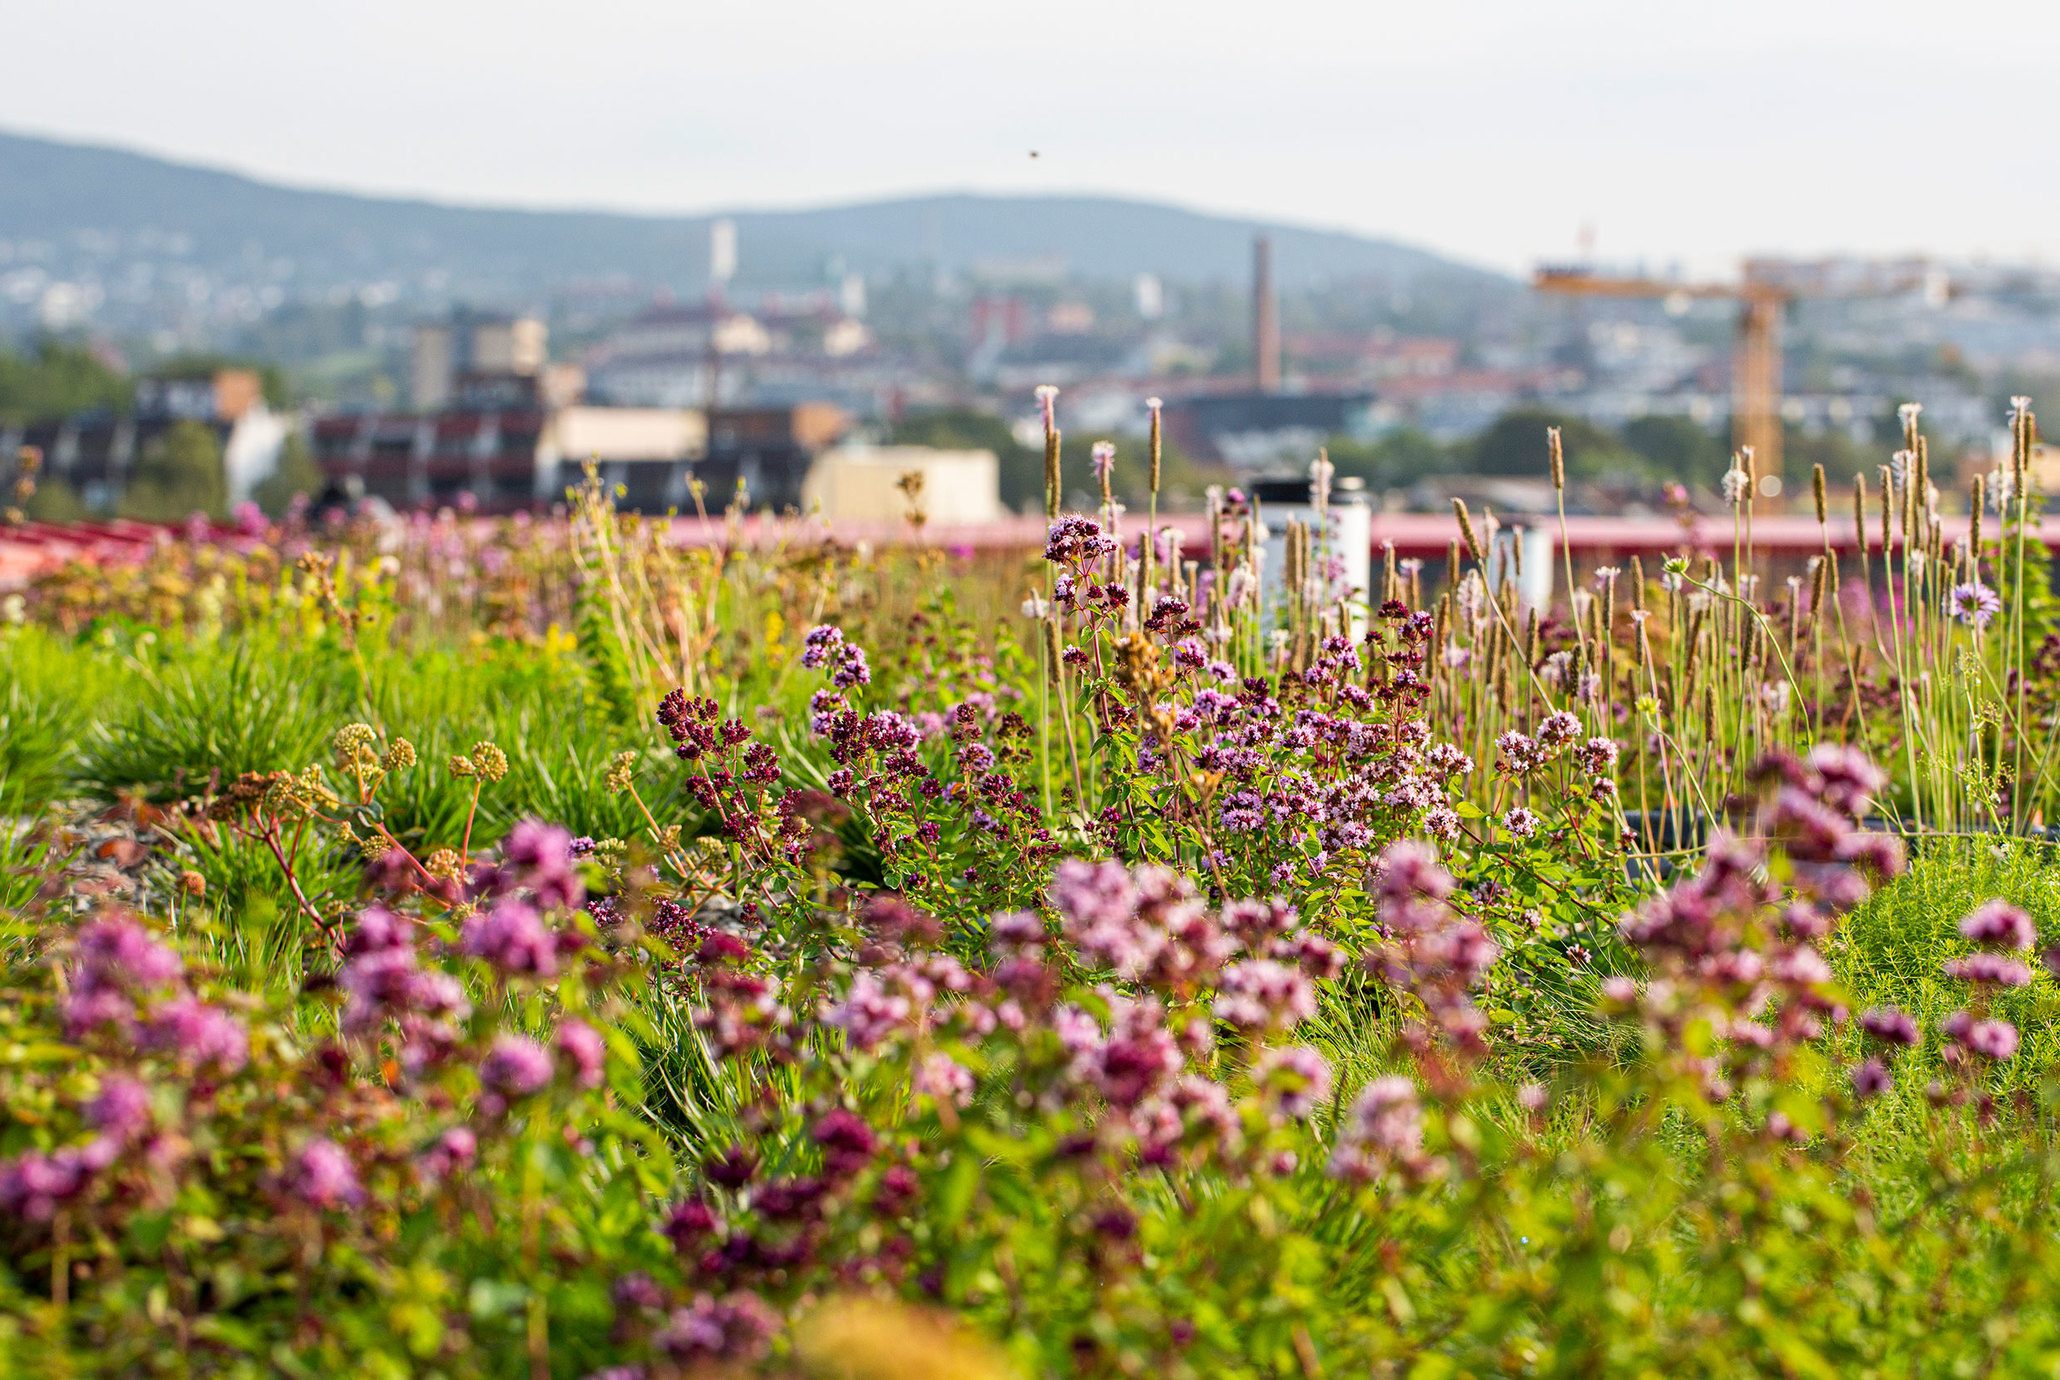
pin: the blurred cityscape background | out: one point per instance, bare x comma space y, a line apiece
176, 338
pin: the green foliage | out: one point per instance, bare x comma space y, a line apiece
1398, 459
58, 379
1633, 1158
180, 473
1515, 445
54, 501
1678, 448
297, 475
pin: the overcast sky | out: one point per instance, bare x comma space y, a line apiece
1492, 131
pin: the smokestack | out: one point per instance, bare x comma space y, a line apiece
1265, 319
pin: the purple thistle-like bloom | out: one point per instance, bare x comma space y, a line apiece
1870, 1079
323, 1176
516, 1066
120, 950
34, 1185
1103, 458
583, 1052
1991, 1039
1973, 603
121, 1109
117, 959
512, 937
1989, 970
450, 1152
822, 642
1385, 1125
541, 855
944, 1080
202, 1036
1294, 1079
732, 1329
1890, 1026
1999, 925
848, 1143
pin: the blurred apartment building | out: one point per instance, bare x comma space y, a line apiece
713, 353
96, 452
498, 425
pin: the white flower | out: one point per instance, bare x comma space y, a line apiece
1735, 485
1034, 607
2002, 488
1909, 412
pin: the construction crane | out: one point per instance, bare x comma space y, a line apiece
1763, 293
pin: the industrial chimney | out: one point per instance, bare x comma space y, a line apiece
1265, 319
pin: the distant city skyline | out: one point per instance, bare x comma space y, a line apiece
1493, 132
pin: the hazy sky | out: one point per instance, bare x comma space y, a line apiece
1493, 131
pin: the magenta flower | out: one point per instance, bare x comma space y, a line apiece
1999, 925
1973, 604
736, 1328
121, 1109
1991, 1039
1294, 1079
582, 1051
322, 1176
1890, 1026
515, 1067
1384, 1126
202, 1036
1989, 970
513, 938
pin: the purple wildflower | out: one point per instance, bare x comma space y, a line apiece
582, 1051
120, 1110
1294, 1079
1870, 1079
202, 1036
1999, 925
1890, 1026
1973, 603
323, 1177
512, 937
516, 1066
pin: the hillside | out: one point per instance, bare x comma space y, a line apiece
81, 199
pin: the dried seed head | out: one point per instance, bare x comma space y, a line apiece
622, 771
489, 761
1466, 529
1155, 407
